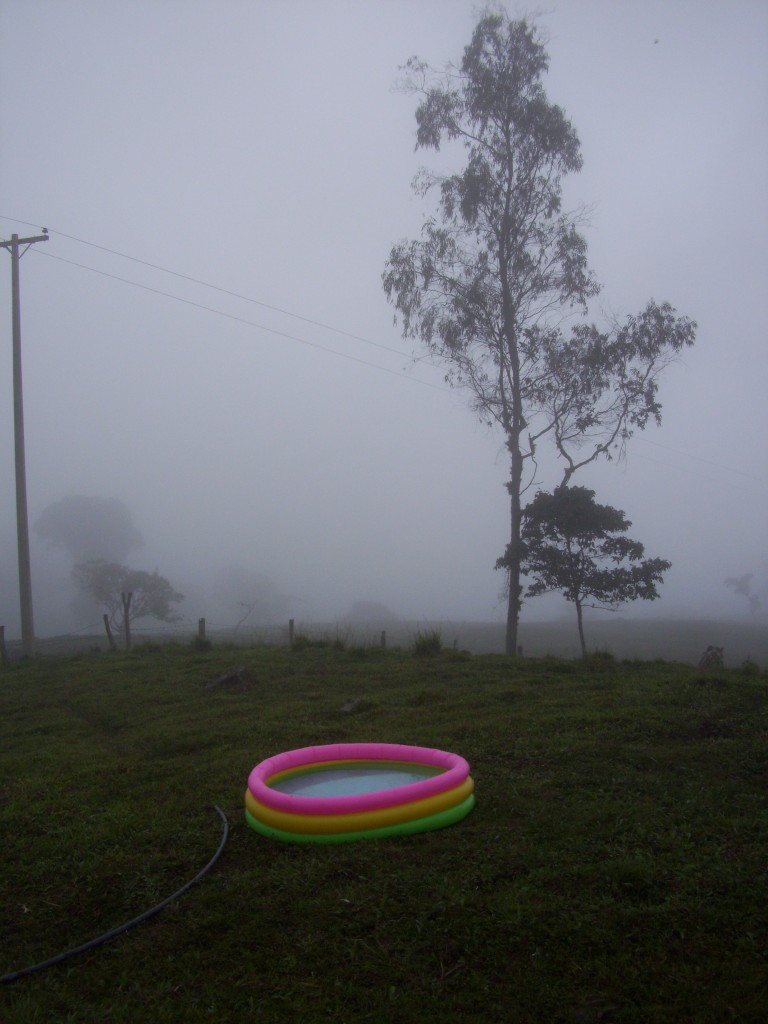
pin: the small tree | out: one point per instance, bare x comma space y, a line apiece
255, 596
574, 545
127, 594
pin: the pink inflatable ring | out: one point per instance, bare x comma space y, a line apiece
346, 791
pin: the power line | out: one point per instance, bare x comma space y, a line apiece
252, 323
224, 291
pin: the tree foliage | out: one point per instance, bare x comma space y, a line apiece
578, 547
107, 582
500, 265
89, 528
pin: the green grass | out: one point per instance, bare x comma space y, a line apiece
615, 868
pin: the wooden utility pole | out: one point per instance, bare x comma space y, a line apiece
22, 522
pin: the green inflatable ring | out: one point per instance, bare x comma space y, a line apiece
440, 820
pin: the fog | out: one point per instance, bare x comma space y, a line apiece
248, 397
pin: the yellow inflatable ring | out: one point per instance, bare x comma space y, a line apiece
329, 824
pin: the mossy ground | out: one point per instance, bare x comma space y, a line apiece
615, 867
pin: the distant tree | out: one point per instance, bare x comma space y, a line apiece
487, 286
743, 585
254, 596
576, 546
127, 594
89, 528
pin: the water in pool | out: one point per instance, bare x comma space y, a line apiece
348, 780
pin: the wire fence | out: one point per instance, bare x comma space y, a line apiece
667, 639
92, 636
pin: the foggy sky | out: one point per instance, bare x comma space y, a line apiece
263, 148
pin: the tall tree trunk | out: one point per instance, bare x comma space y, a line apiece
513, 611
515, 552
577, 602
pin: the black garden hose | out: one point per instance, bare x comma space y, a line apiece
15, 975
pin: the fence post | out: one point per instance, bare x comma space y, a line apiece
112, 644
127, 598
201, 629
290, 632
383, 638
3, 651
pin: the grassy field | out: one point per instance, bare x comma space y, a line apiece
615, 868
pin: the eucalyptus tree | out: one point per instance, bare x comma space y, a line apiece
500, 267
574, 545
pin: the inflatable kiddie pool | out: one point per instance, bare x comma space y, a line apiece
342, 792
